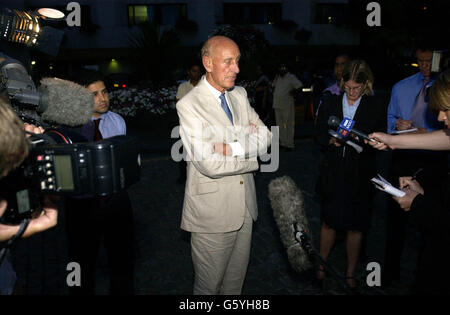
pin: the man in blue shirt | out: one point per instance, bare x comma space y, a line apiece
89, 220
404, 95
110, 123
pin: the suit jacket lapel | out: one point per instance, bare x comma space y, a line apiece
339, 111
211, 106
359, 115
234, 108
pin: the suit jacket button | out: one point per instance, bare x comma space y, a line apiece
242, 183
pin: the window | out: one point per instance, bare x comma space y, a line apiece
251, 13
331, 13
162, 14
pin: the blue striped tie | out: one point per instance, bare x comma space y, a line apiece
223, 103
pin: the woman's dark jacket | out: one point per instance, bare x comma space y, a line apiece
357, 168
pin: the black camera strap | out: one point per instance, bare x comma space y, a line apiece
4, 251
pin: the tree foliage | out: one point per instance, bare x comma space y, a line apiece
255, 49
157, 51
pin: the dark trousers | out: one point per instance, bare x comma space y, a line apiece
88, 221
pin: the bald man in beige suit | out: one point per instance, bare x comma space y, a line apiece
223, 136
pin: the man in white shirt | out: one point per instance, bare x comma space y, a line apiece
194, 74
286, 86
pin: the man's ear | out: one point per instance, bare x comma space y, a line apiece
207, 63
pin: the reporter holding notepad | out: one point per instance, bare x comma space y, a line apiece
429, 208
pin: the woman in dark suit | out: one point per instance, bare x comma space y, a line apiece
344, 180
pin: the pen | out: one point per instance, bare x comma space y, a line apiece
416, 173
413, 177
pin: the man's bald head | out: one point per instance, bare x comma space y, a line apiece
214, 42
220, 57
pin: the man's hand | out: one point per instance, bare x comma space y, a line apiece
402, 124
223, 148
408, 182
406, 201
253, 128
411, 188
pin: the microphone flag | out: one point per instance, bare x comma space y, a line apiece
345, 127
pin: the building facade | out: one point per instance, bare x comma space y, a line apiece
107, 26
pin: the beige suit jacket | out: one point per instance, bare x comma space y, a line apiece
219, 188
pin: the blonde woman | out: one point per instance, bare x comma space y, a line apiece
343, 184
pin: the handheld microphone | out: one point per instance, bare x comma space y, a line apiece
289, 214
336, 135
65, 102
346, 126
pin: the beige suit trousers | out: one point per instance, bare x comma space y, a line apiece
285, 119
221, 260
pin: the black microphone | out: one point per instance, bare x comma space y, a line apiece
289, 214
65, 102
333, 121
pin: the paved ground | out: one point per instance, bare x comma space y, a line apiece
163, 264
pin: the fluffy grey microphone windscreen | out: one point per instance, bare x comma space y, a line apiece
288, 207
65, 102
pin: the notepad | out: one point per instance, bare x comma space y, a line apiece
383, 185
399, 132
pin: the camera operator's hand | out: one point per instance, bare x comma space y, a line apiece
6, 231
33, 129
47, 219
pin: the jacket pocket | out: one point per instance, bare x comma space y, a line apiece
207, 188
